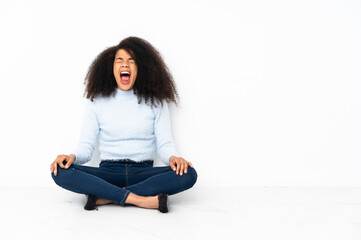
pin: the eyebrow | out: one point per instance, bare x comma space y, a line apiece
122, 58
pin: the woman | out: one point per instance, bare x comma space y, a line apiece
128, 87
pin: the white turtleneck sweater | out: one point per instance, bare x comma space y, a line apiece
126, 129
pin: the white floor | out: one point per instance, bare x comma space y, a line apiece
200, 213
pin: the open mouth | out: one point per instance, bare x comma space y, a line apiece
124, 77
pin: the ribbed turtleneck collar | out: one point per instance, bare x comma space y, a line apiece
125, 93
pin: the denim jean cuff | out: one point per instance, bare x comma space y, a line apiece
125, 198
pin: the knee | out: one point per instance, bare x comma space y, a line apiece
192, 177
63, 176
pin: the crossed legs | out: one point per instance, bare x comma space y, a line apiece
137, 184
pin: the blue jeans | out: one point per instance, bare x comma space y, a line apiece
114, 180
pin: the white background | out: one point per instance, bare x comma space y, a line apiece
270, 90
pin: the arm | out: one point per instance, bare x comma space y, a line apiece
162, 130
165, 144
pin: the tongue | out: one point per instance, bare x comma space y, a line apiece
125, 78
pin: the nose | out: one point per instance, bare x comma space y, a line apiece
125, 65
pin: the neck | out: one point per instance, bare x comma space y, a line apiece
125, 92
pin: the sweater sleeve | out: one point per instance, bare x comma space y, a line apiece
162, 130
88, 135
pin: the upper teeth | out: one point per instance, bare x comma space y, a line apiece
124, 73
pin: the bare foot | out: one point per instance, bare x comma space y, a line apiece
102, 201
144, 202
149, 202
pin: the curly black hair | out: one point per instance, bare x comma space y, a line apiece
154, 82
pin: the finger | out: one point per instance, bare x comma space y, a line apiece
186, 168
51, 168
178, 165
61, 164
68, 162
190, 164
55, 168
182, 167
172, 166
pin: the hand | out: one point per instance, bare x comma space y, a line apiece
179, 165
69, 159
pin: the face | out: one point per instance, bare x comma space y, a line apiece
125, 70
